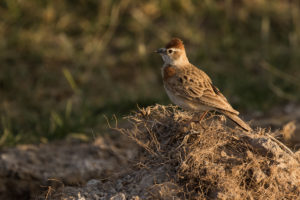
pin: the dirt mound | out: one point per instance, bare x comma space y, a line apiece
207, 160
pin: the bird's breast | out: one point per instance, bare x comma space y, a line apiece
168, 72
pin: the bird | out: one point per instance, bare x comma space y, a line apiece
190, 88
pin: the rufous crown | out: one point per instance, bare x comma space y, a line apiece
175, 43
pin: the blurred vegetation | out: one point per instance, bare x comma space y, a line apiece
66, 64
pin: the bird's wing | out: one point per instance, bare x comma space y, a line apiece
194, 85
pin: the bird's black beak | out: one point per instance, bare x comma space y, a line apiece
160, 51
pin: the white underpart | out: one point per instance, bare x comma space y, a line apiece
186, 104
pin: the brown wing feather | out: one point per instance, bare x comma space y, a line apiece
194, 85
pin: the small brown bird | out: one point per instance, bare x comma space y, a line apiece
191, 88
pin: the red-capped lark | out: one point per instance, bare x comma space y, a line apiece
189, 87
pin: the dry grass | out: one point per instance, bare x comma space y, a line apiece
209, 160
64, 64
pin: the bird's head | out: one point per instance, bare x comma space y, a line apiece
174, 53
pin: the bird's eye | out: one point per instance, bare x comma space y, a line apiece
170, 51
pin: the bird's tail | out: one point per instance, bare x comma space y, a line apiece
238, 121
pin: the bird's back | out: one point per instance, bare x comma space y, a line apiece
193, 84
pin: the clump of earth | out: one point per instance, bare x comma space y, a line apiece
163, 154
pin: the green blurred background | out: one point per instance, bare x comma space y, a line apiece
64, 65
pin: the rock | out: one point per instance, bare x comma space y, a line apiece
119, 196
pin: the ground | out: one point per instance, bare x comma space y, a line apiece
161, 155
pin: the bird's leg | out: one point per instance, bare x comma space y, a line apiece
199, 119
203, 115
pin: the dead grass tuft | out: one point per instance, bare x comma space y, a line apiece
210, 160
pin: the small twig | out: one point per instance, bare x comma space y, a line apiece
107, 121
50, 189
94, 137
281, 144
116, 120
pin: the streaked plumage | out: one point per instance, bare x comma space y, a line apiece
191, 88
